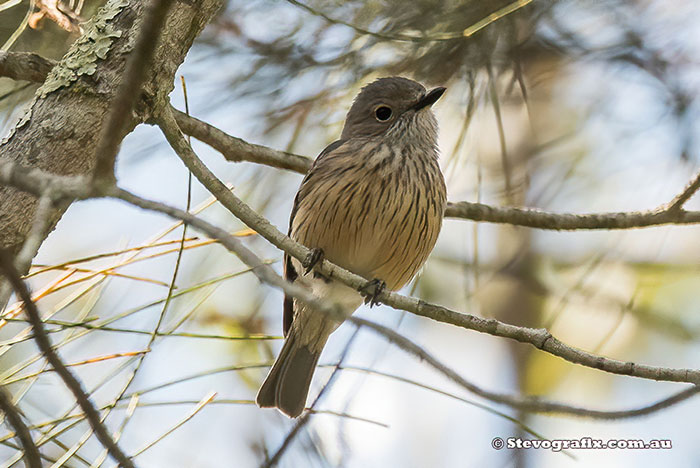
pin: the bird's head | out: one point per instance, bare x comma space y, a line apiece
393, 106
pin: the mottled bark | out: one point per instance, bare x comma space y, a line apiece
60, 132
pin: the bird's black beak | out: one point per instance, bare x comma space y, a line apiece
429, 99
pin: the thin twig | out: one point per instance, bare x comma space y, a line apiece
529, 404
692, 187
539, 338
93, 416
306, 417
32, 457
36, 180
466, 33
20, 29
235, 150
505, 160
25, 66
130, 89
200, 405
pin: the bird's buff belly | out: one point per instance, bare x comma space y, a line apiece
377, 234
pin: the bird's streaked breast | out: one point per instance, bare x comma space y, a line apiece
374, 208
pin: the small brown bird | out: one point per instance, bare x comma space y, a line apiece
373, 203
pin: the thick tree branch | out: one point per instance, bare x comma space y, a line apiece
42, 340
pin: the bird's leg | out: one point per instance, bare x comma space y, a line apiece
311, 260
371, 291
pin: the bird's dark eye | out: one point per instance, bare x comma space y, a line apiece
383, 113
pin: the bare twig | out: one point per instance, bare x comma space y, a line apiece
25, 66
466, 33
20, 28
505, 159
692, 187
570, 222
35, 180
32, 457
130, 89
200, 405
235, 150
306, 417
529, 404
93, 416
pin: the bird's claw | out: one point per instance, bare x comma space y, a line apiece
311, 260
372, 290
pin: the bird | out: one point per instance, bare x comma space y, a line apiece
373, 203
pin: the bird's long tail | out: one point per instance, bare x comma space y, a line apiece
287, 384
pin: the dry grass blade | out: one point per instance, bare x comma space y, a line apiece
202, 403
130, 410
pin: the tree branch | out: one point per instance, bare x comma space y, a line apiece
42, 340
235, 150
61, 131
540, 338
692, 187
569, 222
129, 91
32, 456
529, 404
25, 66
526, 403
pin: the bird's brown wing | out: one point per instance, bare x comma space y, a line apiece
290, 274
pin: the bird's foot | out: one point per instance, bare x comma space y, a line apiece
372, 290
311, 260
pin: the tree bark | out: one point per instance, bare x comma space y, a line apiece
61, 129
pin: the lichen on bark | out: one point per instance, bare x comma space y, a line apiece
95, 43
